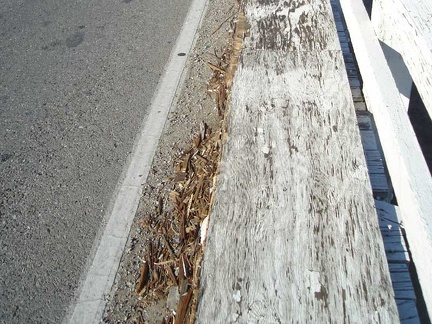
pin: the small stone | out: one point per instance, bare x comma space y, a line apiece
173, 298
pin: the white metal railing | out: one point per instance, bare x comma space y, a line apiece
407, 167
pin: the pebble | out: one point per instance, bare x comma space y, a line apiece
173, 298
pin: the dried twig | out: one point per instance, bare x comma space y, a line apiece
143, 277
175, 253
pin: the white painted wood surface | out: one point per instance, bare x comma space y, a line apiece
399, 71
293, 234
410, 176
405, 26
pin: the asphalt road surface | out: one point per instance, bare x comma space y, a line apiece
76, 79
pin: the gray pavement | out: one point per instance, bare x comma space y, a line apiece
76, 80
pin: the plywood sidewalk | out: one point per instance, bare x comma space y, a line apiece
293, 235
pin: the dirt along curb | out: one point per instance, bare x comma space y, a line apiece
157, 280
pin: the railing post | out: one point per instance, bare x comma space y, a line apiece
404, 25
407, 167
384, 26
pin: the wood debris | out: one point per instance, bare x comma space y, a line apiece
172, 257
175, 251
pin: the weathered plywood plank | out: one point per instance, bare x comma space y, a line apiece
293, 234
290, 25
405, 294
388, 214
409, 310
369, 140
408, 170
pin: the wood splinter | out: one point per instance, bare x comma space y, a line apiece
144, 277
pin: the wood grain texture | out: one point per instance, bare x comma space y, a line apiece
293, 234
410, 175
290, 25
